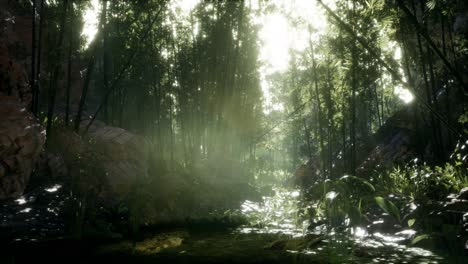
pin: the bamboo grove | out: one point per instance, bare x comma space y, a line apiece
189, 82
344, 87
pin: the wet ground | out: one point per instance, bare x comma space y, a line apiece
32, 229
35, 216
222, 246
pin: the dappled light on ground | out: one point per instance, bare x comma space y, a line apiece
280, 215
36, 216
197, 131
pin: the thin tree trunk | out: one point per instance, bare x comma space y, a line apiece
353, 98
377, 103
353, 111
69, 72
343, 138
33, 59
35, 98
330, 123
439, 140
442, 27
90, 69
89, 72
392, 71
452, 46
307, 136
429, 41
319, 112
105, 61
113, 85
54, 84
429, 92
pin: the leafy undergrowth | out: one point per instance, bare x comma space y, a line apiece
404, 208
283, 212
429, 203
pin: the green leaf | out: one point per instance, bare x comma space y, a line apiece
381, 202
388, 207
411, 222
431, 4
394, 210
365, 182
361, 180
418, 239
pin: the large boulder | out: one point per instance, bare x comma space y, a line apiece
21, 142
113, 158
21, 137
121, 154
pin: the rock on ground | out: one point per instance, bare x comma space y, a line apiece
21, 141
115, 155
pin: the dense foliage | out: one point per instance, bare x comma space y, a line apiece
191, 82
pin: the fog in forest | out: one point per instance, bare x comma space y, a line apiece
234, 131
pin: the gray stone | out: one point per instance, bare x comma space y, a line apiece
21, 142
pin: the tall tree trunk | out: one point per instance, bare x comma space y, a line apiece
307, 137
428, 90
377, 104
452, 47
439, 139
413, 19
56, 71
448, 109
353, 97
330, 123
353, 110
37, 83
442, 27
319, 112
105, 61
69, 71
33, 59
123, 70
343, 139
90, 69
89, 73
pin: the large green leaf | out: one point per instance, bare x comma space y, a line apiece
365, 182
418, 239
389, 207
358, 179
431, 4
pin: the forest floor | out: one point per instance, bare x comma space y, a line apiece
36, 234
223, 246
